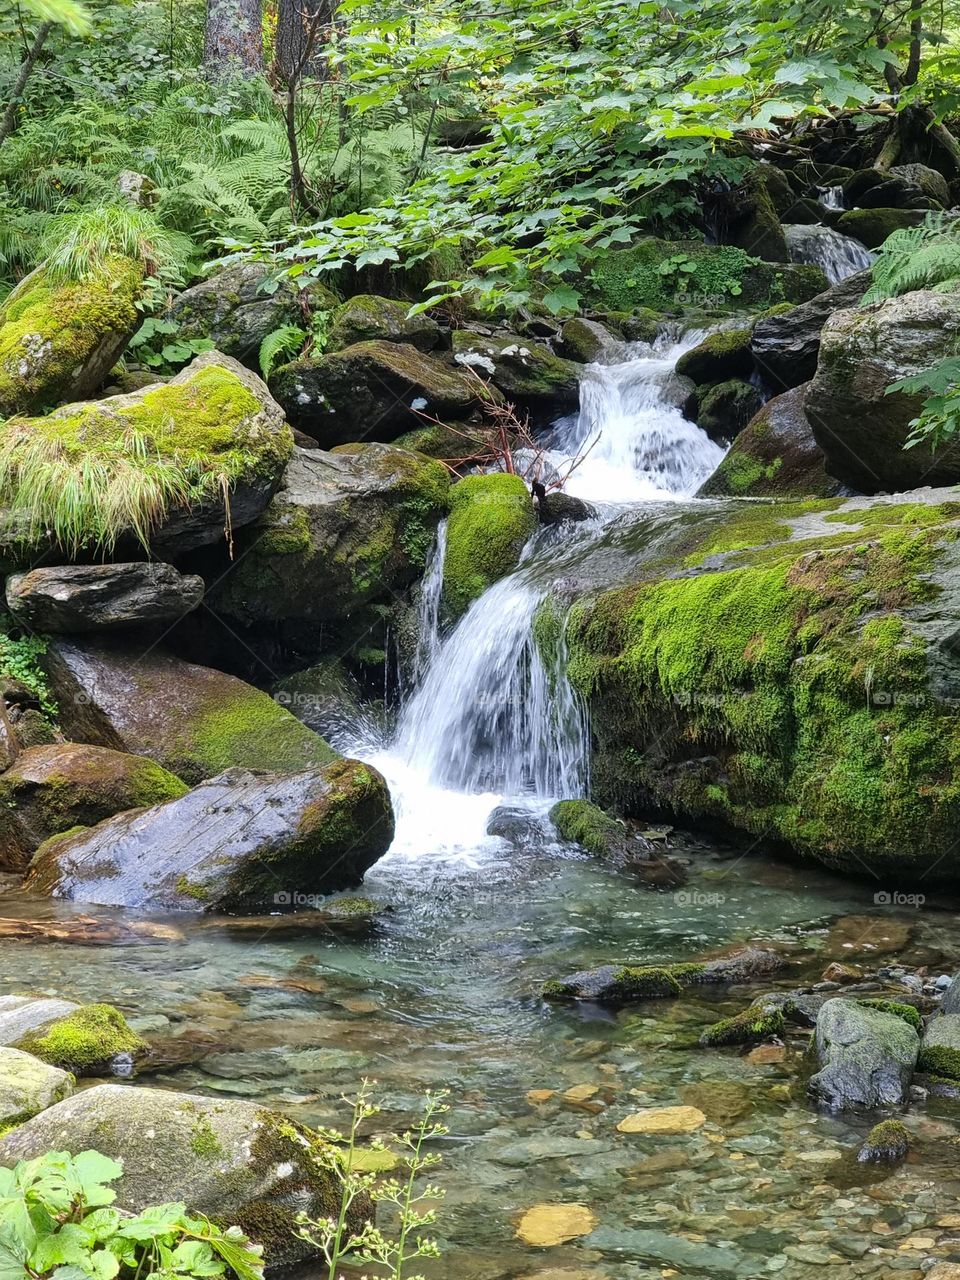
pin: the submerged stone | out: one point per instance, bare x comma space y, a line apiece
886, 1143
867, 1057
683, 1119
546, 1225
92, 1040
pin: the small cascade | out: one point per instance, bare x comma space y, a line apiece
840, 256
428, 611
831, 197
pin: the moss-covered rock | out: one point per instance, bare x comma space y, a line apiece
725, 408
346, 531
586, 824
59, 338
234, 1161
786, 340
588, 340
92, 1041
661, 274
872, 226
192, 720
374, 391
169, 465
866, 1057
491, 518
624, 984
721, 355
752, 1026
527, 372
367, 318
789, 671
887, 1143
908, 1012
68, 784
456, 443
775, 456
28, 1086
745, 213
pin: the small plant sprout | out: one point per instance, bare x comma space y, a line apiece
410, 1197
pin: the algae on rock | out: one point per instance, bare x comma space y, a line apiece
491, 518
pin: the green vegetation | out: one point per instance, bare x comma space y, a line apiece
587, 825
491, 518
753, 1026
908, 1012
86, 1041
940, 1060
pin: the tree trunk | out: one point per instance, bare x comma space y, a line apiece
233, 38
26, 66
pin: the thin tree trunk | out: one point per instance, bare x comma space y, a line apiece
233, 38
26, 67
297, 55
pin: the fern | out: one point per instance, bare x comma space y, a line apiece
924, 257
287, 340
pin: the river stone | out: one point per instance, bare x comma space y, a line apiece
21, 1015
866, 1057
785, 346
193, 720
367, 318
721, 355
52, 788
234, 1161
663, 1120
546, 1225
775, 456
28, 1086
373, 391
588, 341
950, 1003
238, 842
861, 429
929, 181
98, 597
693, 1256
872, 226
527, 372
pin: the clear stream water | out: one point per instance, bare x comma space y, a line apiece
444, 992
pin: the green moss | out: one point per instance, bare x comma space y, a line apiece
720, 355
750, 1027
491, 518
585, 824
907, 1012
872, 226
204, 1141
939, 1060
886, 1143
190, 889
86, 1041
251, 730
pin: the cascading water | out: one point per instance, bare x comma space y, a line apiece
840, 256
487, 722
831, 198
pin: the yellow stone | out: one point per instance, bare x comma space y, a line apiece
536, 1096
664, 1120
944, 1271
949, 1220
548, 1224
581, 1092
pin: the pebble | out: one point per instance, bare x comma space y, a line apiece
663, 1120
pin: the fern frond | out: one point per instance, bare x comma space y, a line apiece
287, 340
923, 257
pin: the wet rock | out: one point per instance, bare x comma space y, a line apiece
546, 1225
28, 1086
193, 720
234, 1161
607, 837
843, 974
872, 226
724, 409
99, 597
238, 842
721, 355
929, 181
754, 1025
785, 346
860, 428
620, 984
325, 697
51, 789
951, 997
557, 508
60, 338
775, 456
373, 391
674, 1251
517, 825
866, 1057
528, 373
491, 518
347, 530
663, 1120
940, 1047
367, 318
20, 1015
886, 1143
588, 341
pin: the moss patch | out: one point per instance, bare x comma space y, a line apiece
86, 1041
585, 824
907, 1012
750, 1027
491, 518
940, 1060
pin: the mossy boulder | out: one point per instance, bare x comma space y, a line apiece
367, 318
93, 1040
754, 1025
346, 530
374, 391
861, 428
59, 338
527, 372
872, 226
588, 341
788, 670
940, 1047
491, 518
745, 214
239, 842
234, 1161
725, 408
28, 1086
456, 443
624, 983
887, 1143
49, 789
324, 696
775, 456
786, 342
74, 598
721, 355
170, 465
664, 274
192, 720
586, 824
930, 182
866, 1057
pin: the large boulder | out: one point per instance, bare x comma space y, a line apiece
373, 391
940, 1048
241, 842
872, 226
491, 518
861, 428
175, 464
929, 181
99, 597
59, 338
724, 354
789, 670
239, 305
234, 1161
367, 318
49, 789
902, 187
745, 214
785, 346
528, 373
28, 1086
346, 529
866, 1056
193, 720
775, 456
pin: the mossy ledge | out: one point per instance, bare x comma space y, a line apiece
491, 518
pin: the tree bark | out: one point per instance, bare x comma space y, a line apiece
233, 38
303, 31
26, 66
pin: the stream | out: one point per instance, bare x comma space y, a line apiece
444, 993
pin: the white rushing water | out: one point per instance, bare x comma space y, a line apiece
840, 256
486, 723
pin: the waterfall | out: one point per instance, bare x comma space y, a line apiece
831, 197
840, 256
489, 719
